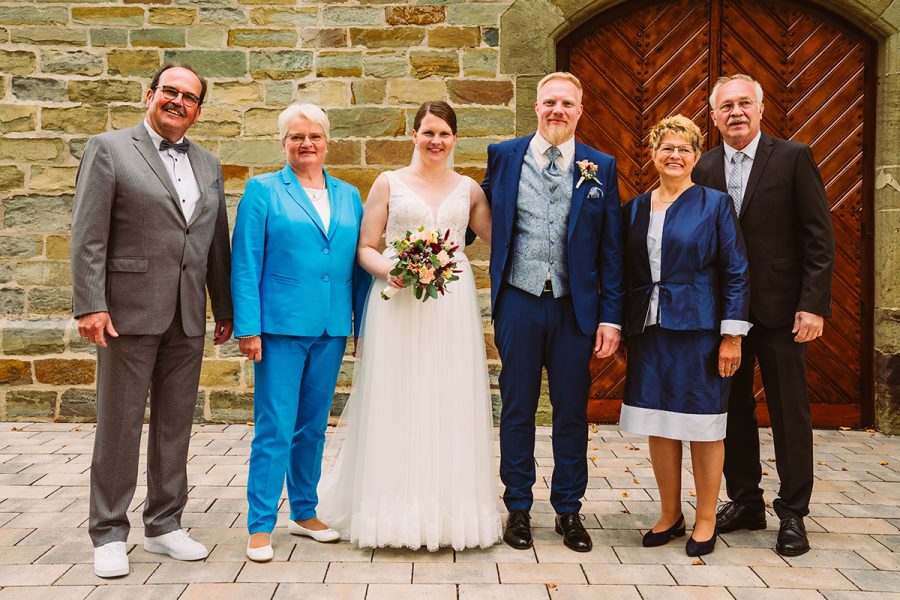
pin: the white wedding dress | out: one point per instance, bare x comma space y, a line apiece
411, 463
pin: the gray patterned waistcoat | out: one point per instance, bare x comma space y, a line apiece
542, 220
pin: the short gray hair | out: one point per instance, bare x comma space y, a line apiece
739, 77
304, 111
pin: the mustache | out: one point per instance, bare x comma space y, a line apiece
737, 120
174, 107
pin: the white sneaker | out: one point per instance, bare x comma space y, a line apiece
261, 554
177, 544
325, 535
111, 560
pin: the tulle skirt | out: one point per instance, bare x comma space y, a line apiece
411, 463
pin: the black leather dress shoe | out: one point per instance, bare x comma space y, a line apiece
732, 516
653, 539
792, 540
518, 530
695, 548
575, 536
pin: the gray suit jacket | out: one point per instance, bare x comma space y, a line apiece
133, 254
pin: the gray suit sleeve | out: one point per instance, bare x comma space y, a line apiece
218, 269
95, 191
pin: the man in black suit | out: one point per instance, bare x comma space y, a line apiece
780, 201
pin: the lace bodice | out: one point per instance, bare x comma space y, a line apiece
407, 212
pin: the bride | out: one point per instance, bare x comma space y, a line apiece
414, 464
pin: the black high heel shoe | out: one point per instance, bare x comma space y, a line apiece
652, 539
695, 548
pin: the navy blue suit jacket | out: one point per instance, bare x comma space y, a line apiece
595, 237
704, 276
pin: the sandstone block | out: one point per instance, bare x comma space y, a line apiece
39, 88
388, 152
252, 152
236, 92
109, 38
52, 179
331, 63
172, 15
467, 91
25, 405
262, 38
30, 149
480, 62
236, 177
344, 152
352, 15
368, 91
211, 63
454, 37
359, 177
222, 15
15, 372
31, 338
18, 62
395, 37
37, 213
427, 63
414, 91
385, 64
158, 37
219, 373
46, 272
71, 62
50, 36
217, 121
50, 300
11, 178
19, 246
475, 14
325, 93
261, 121
57, 246
12, 301
487, 121
129, 16
279, 93
78, 119
206, 36
126, 116
17, 117
31, 15
64, 371
323, 38
231, 406
471, 150
368, 122
104, 90
131, 63
491, 36
78, 405
303, 16
249, 373
283, 64
414, 15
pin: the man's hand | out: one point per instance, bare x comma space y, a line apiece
607, 341
807, 326
251, 347
729, 355
222, 332
92, 326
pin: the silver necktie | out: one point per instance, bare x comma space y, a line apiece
736, 180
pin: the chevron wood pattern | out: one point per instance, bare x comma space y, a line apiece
648, 60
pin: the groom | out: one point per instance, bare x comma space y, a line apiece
556, 293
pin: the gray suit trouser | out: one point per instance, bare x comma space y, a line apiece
168, 365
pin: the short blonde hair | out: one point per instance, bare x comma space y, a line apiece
757, 88
565, 76
678, 125
302, 111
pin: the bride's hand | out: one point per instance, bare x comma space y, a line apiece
395, 281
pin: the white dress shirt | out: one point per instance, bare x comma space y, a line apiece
538, 148
178, 166
750, 152
321, 203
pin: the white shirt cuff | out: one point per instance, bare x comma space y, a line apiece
613, 325
734, 327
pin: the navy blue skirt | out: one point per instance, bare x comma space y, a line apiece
672, 386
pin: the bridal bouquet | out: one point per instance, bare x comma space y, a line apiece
425, 262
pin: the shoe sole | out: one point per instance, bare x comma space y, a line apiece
518, 546
112, 573
784, 552
754, 527
566, 543
312, 537
162, 550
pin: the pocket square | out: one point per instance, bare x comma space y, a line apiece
594, 192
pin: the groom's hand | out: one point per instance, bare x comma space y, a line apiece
607, 341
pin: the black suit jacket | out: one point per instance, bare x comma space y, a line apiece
787, 229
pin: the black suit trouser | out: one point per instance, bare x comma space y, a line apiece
782, 363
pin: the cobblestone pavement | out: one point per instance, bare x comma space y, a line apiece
854, 529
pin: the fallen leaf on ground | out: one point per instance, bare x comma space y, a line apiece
697, 562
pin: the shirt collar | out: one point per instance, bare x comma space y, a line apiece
567, 149
749, 150
155, 137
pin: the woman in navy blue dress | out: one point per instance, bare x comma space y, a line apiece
686, 310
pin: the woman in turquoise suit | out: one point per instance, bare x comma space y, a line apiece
686, 308
298, 293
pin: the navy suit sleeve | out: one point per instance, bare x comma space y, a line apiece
817, 236
362, 281
611, 266
733, 266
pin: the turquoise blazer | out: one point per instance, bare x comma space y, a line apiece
288, 276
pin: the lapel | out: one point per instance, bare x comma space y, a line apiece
295, 191
763, 151
196, 163
334, 202
640, 227
512, 175
144, 145
579, 193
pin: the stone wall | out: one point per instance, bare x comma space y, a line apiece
69, 70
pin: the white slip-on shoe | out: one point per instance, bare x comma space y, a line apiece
325, 535
111, 560
261, 554
177, 544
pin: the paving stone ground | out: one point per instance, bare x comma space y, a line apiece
854, 529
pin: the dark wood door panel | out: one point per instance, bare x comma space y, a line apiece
643, 61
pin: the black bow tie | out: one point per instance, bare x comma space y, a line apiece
179, 147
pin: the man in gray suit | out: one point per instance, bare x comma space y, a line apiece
149, 236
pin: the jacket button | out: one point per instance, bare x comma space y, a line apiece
184, 267
325, 278
187, 231
325, 251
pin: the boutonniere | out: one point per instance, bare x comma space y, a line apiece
588, 173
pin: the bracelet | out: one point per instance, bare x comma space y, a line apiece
246, 337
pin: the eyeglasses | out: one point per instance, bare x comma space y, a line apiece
297, 138
170, 93
667, 150
744, 104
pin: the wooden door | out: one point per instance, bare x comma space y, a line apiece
644, 61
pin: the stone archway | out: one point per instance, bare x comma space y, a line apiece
530, 30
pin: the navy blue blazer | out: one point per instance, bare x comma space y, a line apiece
595, 237
704, 277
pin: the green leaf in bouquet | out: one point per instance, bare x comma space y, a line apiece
435, 262
418, 292
432, 291
396, 271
